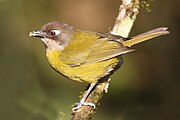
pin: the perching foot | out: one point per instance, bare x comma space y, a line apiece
79, 105
82, 101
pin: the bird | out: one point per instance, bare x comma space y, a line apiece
87, 56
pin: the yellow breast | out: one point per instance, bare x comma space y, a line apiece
89, 72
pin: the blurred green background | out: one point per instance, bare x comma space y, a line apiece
147, 87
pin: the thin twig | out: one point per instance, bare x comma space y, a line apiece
127, 14
126, 17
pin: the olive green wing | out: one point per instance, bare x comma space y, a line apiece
89, 47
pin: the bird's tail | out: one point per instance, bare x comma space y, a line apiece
146, 36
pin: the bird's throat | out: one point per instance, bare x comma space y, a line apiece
51, 44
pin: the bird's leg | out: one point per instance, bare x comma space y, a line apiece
82, 101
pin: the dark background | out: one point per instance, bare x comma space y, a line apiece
145, 88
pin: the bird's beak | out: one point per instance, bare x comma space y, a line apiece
37, 33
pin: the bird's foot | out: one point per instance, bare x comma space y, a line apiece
80, 104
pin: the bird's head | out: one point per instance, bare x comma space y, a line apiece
55, 35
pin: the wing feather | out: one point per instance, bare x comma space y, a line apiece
88, 47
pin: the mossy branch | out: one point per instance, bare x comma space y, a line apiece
127, 15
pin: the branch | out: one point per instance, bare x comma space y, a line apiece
123, 24
126, 17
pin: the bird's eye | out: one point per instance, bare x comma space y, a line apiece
54, 33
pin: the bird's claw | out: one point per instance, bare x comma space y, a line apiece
79, 105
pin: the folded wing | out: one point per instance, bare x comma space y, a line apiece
89, 47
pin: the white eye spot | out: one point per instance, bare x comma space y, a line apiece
54, 33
